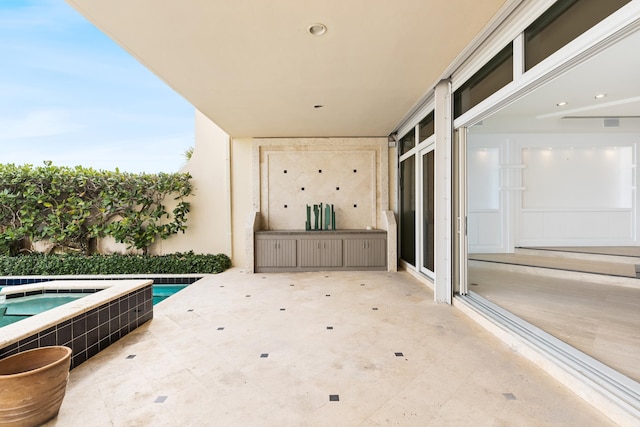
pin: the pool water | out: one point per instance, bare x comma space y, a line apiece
162, 292
20, 308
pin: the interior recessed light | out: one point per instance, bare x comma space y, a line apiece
600, 96
317, 29
562, 104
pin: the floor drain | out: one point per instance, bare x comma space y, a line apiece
399, 354
131, 356
160, 399
221, 328
334, 398
264, 355
509, 396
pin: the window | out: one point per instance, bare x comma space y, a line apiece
425, 127
407, 142
561, 23
495, 74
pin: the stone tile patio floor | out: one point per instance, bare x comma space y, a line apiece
314, 349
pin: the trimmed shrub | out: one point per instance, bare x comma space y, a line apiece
69, 264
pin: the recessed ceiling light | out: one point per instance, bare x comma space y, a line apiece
562, 104
317, 29
600, 96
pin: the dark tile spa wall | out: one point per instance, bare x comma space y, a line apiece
93, 331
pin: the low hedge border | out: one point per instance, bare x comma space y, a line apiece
54, 265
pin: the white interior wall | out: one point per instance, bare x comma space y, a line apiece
551, 189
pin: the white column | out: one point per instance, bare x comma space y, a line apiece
443, 132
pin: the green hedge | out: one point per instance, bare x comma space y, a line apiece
72, 207
178, 263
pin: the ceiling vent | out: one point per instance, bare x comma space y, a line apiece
611, 122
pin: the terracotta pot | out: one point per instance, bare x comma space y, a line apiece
32, 385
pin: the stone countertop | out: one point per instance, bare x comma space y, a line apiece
320, 232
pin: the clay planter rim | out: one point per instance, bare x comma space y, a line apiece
63, 353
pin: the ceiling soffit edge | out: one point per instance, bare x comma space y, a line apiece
422, 107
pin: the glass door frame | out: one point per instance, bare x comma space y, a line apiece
460, 213
424, 148
402, 225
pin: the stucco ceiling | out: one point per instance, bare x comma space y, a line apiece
252, 67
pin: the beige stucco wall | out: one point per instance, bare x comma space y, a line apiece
233, 188
242, 207
209, 221
231, 181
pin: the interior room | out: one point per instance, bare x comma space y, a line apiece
552, 207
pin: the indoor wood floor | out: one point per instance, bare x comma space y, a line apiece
600, 320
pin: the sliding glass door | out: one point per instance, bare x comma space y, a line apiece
427, 210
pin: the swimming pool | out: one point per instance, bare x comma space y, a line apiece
162, 292
16, 309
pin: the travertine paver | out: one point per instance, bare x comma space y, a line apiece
390, 357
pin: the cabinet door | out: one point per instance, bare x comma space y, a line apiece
376, 253
286, 253
275, 253
310, 253
266, 253
331, 255
365, 253
355, 252
321, 253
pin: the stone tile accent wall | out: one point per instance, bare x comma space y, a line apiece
350, 173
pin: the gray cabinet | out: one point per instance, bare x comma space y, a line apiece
275, 253
294, 250
365, 252
321, 253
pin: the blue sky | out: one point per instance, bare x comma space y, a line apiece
71, 95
